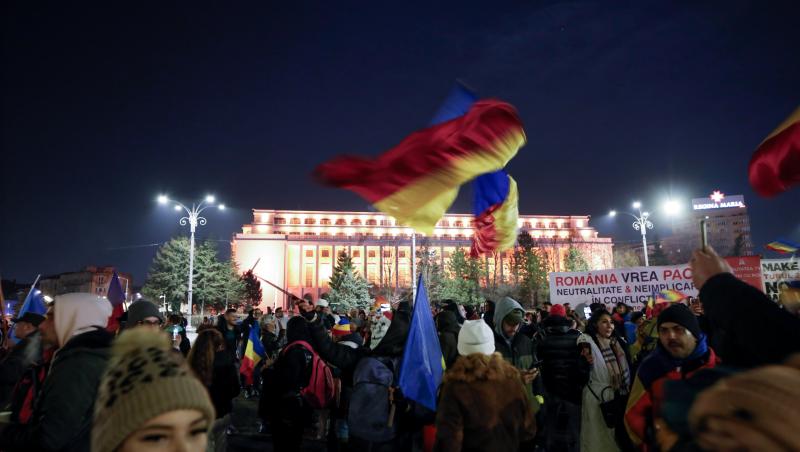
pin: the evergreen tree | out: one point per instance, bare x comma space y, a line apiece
463, 285
212, 280
575, 261
252, 288
532, 288
348, 290
626, 258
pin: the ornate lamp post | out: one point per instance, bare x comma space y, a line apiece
193, 219
642, 224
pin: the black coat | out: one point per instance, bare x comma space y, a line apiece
564, 371
750, 329
25, 354
448, 328
224, 384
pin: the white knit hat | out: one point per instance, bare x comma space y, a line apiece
323, 303
475, 337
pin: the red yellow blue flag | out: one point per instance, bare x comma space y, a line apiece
784, 246
496, 213
775, 165
253, 354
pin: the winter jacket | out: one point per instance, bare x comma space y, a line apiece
647, 392
25, 354
730, 305
62, 417
224, 383
232, 336
564, 371
486, 411
448, 328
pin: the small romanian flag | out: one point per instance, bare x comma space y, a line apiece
665, 296
496, 213
784, 246
775, 166
253, 354
416, 181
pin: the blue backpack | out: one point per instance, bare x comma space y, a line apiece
372, 409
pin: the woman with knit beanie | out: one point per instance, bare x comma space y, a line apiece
149, 399
483, 405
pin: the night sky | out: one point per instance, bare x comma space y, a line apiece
106, 106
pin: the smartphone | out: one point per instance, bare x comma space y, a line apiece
587, 312
703, 234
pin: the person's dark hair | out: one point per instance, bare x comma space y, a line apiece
201, 357
591, 324
174, 319
229, 310
297, 330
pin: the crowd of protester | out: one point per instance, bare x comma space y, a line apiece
713, 373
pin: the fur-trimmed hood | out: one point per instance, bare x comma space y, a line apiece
480, 367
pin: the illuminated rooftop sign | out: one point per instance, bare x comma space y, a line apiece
718, 200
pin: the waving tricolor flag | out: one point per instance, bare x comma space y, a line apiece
775, 166
253, 354
116, 296
417, 180
496, 213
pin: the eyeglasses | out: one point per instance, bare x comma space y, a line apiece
150, 322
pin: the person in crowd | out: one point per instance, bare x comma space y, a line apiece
452, 306
609, 381
324, 312
247, 324
30, 383
281, 403
26, 353
144, 313
635, 319
564, 374
488, 313
269, 339
180, 341
483, 404
519, 350
730, 304
148, 399
217, 372
231, 332
531, 326
448, 328
344, 335
62, 416
682, 350
620, 316
281, 319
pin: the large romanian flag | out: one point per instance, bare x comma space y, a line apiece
775, 166
253, 354
496, 213
417, 180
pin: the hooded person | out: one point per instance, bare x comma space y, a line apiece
448, 329
681, 352
147, 389
24, 354
62, 417
483, 403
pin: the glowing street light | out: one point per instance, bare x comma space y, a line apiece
193, 219
642, 224
612, 213
672, 207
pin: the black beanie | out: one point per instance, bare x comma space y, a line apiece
680, 314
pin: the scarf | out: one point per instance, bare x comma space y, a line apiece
616, 363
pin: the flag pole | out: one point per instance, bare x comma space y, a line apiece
30, 292
413, 265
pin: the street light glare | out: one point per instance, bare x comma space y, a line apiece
672, 207
637, 205
177, 207
162, 199
210, 199
612, 213
222, 207
645, 214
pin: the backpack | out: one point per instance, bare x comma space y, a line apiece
321, 389
371, 415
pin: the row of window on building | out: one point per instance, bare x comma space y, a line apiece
373, 222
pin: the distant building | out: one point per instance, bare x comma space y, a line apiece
91, 279
297, 250
728, 226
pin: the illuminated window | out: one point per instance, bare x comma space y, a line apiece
341, 222
325, 221
356, 253
444, 223
309, 275
341, 234
460, 236
387, 253
459, 224
324, 234
310, 221
401, 254
386, 222
309, 233
309, 253
294, 221
472, 223
355, 222
294, 232
446, 236
527, 224
371, 253
369, 234
372, 223
278, 232
280, 220
325, 253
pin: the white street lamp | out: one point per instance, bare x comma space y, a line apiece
641, 224
193, 219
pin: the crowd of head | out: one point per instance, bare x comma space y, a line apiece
716, 372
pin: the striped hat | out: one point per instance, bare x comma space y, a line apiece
342, 328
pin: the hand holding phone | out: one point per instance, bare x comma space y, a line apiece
703, 235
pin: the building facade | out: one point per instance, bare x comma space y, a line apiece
297, 250
92, 279
728, 228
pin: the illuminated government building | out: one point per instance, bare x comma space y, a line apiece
297, 250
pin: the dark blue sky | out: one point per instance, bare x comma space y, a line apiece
105, 106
